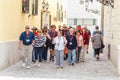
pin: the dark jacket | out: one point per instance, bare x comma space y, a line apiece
71, 44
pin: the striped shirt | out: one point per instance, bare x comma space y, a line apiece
39, 41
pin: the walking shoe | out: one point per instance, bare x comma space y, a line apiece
73, 64
61, 67
97, 58
28, 67
57, 66
23, 64
36, 63
39, 64
87, 52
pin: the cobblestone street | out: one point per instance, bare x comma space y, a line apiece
89, 70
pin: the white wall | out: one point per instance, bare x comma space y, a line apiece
112, 32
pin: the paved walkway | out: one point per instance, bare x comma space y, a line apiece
89, 70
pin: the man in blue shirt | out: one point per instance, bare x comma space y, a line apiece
26, 40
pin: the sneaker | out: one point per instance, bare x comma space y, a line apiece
28, 67
39, 64
57, 66
36, 63
61, 67
87, 52
73, 64
23, 65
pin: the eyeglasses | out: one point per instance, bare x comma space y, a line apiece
27, 28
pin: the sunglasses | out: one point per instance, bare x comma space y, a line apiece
27, 28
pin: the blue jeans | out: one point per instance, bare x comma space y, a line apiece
33, 55
71, 56
59, 55
38, 53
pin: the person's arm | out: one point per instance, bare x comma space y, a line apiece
20, 41
76, 43
19, 44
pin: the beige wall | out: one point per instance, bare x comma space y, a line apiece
12, 21
112, 32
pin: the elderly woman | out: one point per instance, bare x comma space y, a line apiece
96, 40
60, 43
38, 46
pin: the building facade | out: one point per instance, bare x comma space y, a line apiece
78, 13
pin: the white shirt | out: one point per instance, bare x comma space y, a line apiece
60, 43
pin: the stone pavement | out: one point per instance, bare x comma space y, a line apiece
89, 70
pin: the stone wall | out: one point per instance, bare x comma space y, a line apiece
9, 53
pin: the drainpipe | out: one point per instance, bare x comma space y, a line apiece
102, 18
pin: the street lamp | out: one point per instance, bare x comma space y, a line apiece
43, 4
107, 2
47, 5
86, 4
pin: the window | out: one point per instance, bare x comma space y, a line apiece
25, 6
75, 21
35, 7
70, 21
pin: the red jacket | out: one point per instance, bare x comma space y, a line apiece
85, 38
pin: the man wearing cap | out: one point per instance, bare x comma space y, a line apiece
26, 40
53, 34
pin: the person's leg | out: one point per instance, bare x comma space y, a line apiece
61, 58
69, 56
96, 54
40, 54
29, 54
33, 55
36, 50
43, 56
23, 54
45, 53
57, 57
79, 51
82, 54
73, 56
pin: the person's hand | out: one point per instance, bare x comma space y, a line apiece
50, 49
76, 48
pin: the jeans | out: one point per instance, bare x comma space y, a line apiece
33, 55
38, 53
45, 50
59, 55
71, 56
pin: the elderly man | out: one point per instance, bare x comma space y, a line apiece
26, 40
72, 46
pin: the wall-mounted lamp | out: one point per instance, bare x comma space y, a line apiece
45, 6
104, 2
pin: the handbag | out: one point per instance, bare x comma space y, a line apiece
102, 44
66, 50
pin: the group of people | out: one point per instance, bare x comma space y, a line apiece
64, 44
